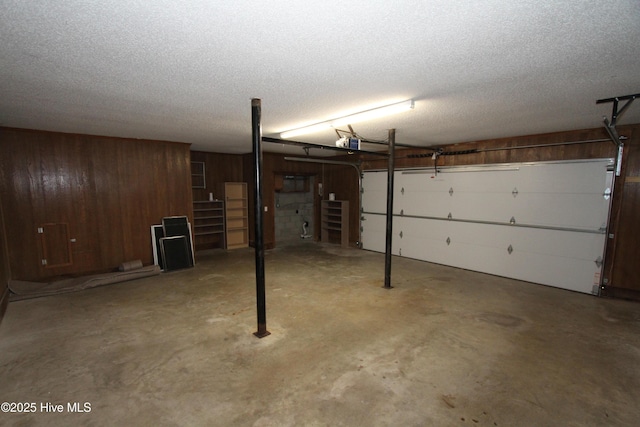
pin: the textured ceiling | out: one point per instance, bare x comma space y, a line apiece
186, 71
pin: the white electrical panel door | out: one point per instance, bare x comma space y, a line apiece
539, 222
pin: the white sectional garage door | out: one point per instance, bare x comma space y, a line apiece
540, 222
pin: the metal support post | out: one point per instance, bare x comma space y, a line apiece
256, 111
389, 239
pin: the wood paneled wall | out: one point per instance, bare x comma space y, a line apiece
108, 190
111, 190
622, 269
219, 168
5, 270
549, 152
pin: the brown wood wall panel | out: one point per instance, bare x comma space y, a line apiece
622, 269
5, 270
109, 190
219, 168
549, 153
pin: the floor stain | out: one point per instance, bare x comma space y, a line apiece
449, 400
505, 320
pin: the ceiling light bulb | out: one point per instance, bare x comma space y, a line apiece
304, 130
350, 119
373, 113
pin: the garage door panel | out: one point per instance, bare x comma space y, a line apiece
585, 211
416, 181
420, 195
555, 243
422, 239
557, 258
568, 177
482, 206
563, 203
374, 233
563, 259
496, 179
374, 194
374, 201
425, 204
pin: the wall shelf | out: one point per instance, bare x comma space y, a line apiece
209, 224
236, 214
335, 222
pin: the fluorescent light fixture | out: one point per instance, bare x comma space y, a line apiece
351, 119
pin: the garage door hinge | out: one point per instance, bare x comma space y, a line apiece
402, 191
449, 216
510, 249
599, 262
401, 234
607, 194
514, 192
451, 191
448, 241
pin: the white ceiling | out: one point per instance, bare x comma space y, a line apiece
186, 71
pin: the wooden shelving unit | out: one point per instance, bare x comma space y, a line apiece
236, 214
209, 224
335, 222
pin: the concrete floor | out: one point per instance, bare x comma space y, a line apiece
445, 347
